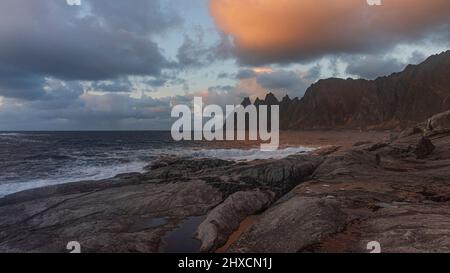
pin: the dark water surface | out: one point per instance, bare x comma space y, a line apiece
36, 159
182, 240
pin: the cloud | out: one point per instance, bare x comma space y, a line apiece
417, 57
198, 51
223, 75
139, 16
220, 88
286, 82
193, 52
120, 85
86, 112
257, 82
373, 66
221, 95
52, 56
245, 74
99, 40
19, 84
290, 30
283, 81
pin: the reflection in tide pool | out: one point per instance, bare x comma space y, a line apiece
181, 240
145, 224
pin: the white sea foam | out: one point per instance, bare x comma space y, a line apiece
244, 154
89, 173
23, 134
11, 134
6, 138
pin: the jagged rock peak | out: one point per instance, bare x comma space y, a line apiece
246, 102
271, 99
286, 99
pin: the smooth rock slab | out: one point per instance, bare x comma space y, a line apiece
291, 226
107, 220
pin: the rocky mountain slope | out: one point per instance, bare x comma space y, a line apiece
396, 192
391, 102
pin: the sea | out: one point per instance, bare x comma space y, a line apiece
36, 159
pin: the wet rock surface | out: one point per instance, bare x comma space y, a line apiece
395, 192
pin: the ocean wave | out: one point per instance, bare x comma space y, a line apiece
11, 134
10, 138
84, 174
244, 154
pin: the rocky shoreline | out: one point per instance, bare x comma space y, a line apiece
395, 192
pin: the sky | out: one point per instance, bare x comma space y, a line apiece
122, 65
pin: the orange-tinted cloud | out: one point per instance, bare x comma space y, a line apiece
272, 31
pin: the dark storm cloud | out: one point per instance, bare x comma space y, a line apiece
58, 95
100, 40
20, 85
138, 16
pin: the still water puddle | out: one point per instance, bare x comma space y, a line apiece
181, 240
148, 224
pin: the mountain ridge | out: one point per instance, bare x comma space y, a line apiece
388, 102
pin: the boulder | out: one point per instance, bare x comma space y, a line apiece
438, 124
222, 221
